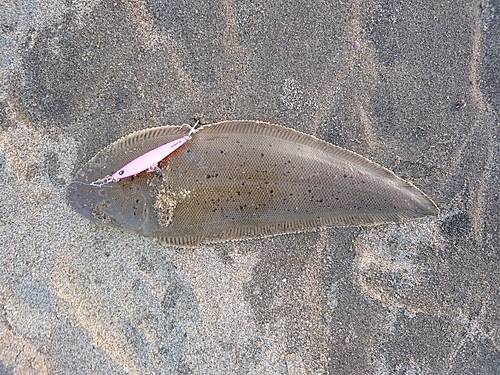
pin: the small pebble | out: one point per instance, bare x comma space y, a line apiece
354, 44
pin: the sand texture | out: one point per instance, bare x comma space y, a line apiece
420, 96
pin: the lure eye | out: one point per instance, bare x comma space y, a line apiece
121, 172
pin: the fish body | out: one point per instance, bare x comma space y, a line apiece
241, 179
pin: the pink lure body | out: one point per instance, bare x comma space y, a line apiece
148, 160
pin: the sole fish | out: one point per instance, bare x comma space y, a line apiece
241, 179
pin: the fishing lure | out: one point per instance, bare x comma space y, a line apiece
148, 161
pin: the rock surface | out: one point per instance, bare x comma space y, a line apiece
419, 94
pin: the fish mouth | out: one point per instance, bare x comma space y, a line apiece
107, 205
80, 199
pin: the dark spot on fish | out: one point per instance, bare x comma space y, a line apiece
345, 176
262, 155
221, 151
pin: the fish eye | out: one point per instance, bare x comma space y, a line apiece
121, 172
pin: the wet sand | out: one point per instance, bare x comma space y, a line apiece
420, 96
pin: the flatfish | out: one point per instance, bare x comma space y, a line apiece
241, 179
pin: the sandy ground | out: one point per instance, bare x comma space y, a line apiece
420, 96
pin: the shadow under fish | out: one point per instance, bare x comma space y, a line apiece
241, 179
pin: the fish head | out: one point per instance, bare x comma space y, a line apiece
122, 204
125, 203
